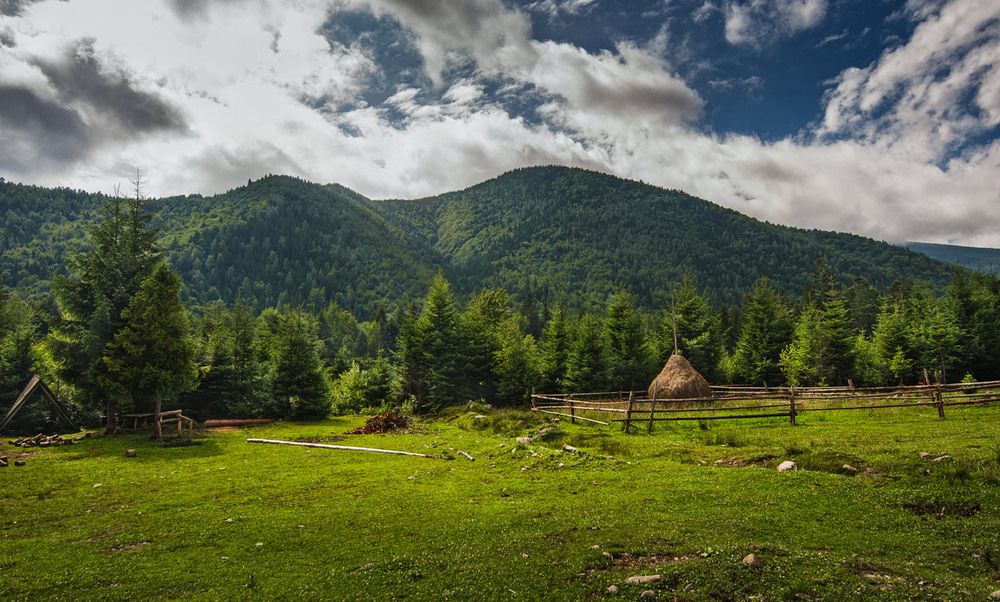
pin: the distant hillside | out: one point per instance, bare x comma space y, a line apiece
560, 234
973, 258
572, 235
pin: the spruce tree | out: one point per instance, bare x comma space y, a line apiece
121, 253
150, 359
437, 331
299, 387
554, 353
627, 356
587, 365
765, 331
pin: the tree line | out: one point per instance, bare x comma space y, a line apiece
115, 337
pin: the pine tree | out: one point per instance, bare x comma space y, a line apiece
121, 253
766, 330
554, 353
587, 365
627, 358
299, 388
431, 350
151, 356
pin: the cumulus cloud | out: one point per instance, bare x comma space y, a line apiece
929, 96
205, 95
757, 22
555, 8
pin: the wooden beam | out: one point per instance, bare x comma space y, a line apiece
345, 447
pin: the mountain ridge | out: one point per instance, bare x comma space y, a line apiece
558, 234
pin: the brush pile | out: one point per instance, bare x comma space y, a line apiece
390, 422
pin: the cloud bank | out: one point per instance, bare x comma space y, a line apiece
205, 95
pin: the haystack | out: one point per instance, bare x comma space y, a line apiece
679, 380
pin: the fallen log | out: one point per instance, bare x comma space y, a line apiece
243, 422
471, 459
345, 447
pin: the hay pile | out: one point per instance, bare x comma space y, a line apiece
679, 380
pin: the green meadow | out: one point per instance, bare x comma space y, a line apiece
915, 515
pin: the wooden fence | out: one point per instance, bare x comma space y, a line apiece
635, 408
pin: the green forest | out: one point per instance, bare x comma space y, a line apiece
286, 299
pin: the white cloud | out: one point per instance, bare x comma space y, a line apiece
757, 23
236, 85
555, 8
927, 97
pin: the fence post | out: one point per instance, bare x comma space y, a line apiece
628, 413
533, 406
572, 411
791, 405
940, 402
652, 410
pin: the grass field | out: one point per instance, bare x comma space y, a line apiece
227, 519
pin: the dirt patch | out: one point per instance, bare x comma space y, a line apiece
390, 422
131, 546
745, 462
940, 509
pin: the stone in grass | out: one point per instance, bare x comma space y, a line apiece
752, 561
643, 579
612, 589
995, 595
850, 468
524, 440
787, 465
131, 453
19, 462
648, 594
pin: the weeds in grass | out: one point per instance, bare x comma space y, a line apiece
728, 439
604, 443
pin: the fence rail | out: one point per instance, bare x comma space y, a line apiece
736, 402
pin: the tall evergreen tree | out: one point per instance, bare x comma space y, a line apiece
627, 358
587, 365
766, 330
431, 350
121, 253
554, 353
151, 356
299, 387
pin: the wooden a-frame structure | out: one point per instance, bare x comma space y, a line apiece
36, 385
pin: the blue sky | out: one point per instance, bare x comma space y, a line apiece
878, 117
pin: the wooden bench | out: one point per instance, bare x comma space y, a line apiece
138, 422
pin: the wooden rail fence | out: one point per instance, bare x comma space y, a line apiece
741, 402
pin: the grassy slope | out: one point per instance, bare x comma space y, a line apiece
232, 520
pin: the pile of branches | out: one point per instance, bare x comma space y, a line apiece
41, 440
383, 423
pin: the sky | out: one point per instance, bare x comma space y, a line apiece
877, 117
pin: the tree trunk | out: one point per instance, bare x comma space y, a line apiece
156, 418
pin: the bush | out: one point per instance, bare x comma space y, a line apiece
364, 390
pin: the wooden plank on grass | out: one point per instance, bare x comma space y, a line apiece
344, 447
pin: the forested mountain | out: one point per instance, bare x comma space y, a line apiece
281, 241
973, 258
573, 235
563, 235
